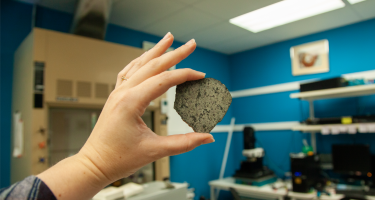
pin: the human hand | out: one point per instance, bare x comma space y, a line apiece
121, 142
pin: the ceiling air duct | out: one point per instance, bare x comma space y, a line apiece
91, 18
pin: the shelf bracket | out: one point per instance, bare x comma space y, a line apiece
313, 141
311, 109
312, 117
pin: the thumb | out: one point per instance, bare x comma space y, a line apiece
177, 144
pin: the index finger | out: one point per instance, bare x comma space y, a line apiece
158, 50
159, 84
162, 63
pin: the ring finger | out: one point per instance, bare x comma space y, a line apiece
121, 75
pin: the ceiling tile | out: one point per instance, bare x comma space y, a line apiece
136, 14
217, 33
365, 9
182, 23
242, 43
209, 47
322, 22
208, 20
226, 10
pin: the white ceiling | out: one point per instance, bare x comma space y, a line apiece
207, 21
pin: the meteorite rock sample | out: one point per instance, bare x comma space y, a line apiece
202, 103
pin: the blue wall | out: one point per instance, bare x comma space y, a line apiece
352, 49
15, 25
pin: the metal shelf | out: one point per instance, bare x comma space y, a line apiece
350, 91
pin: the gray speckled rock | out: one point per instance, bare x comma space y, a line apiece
202, 103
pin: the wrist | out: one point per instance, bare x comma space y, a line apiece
93, 169
102, 161
74, 178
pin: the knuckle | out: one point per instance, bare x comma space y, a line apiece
181, 50
115, 96
111, 96
127, 98
134, 61
134, 66
188, 70
154, 62
166, 75
137, 62
152, 153
120, 74
189, 145
155, 153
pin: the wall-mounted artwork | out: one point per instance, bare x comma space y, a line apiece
310, 58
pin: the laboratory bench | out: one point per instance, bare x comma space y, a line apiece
268, 191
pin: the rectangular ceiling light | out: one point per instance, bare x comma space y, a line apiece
284, 12
355, 1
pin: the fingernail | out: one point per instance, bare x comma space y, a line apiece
191, 42
167, 35
203, 74
208, 140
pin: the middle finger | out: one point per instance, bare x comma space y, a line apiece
162, 63
158, 50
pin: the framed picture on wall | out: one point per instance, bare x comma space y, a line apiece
310, 58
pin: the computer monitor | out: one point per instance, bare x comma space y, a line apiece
352, 159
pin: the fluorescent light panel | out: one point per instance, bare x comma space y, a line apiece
284, 12
355, 1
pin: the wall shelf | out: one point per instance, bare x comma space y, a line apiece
307, 128
350, 91
318, 128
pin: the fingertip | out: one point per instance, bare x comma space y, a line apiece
172, 36
193, 46
167, 39
209, 138
191, 43
199, 75
193, 74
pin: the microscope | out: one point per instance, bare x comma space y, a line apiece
252, 171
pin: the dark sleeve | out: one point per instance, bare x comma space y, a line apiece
31, 188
